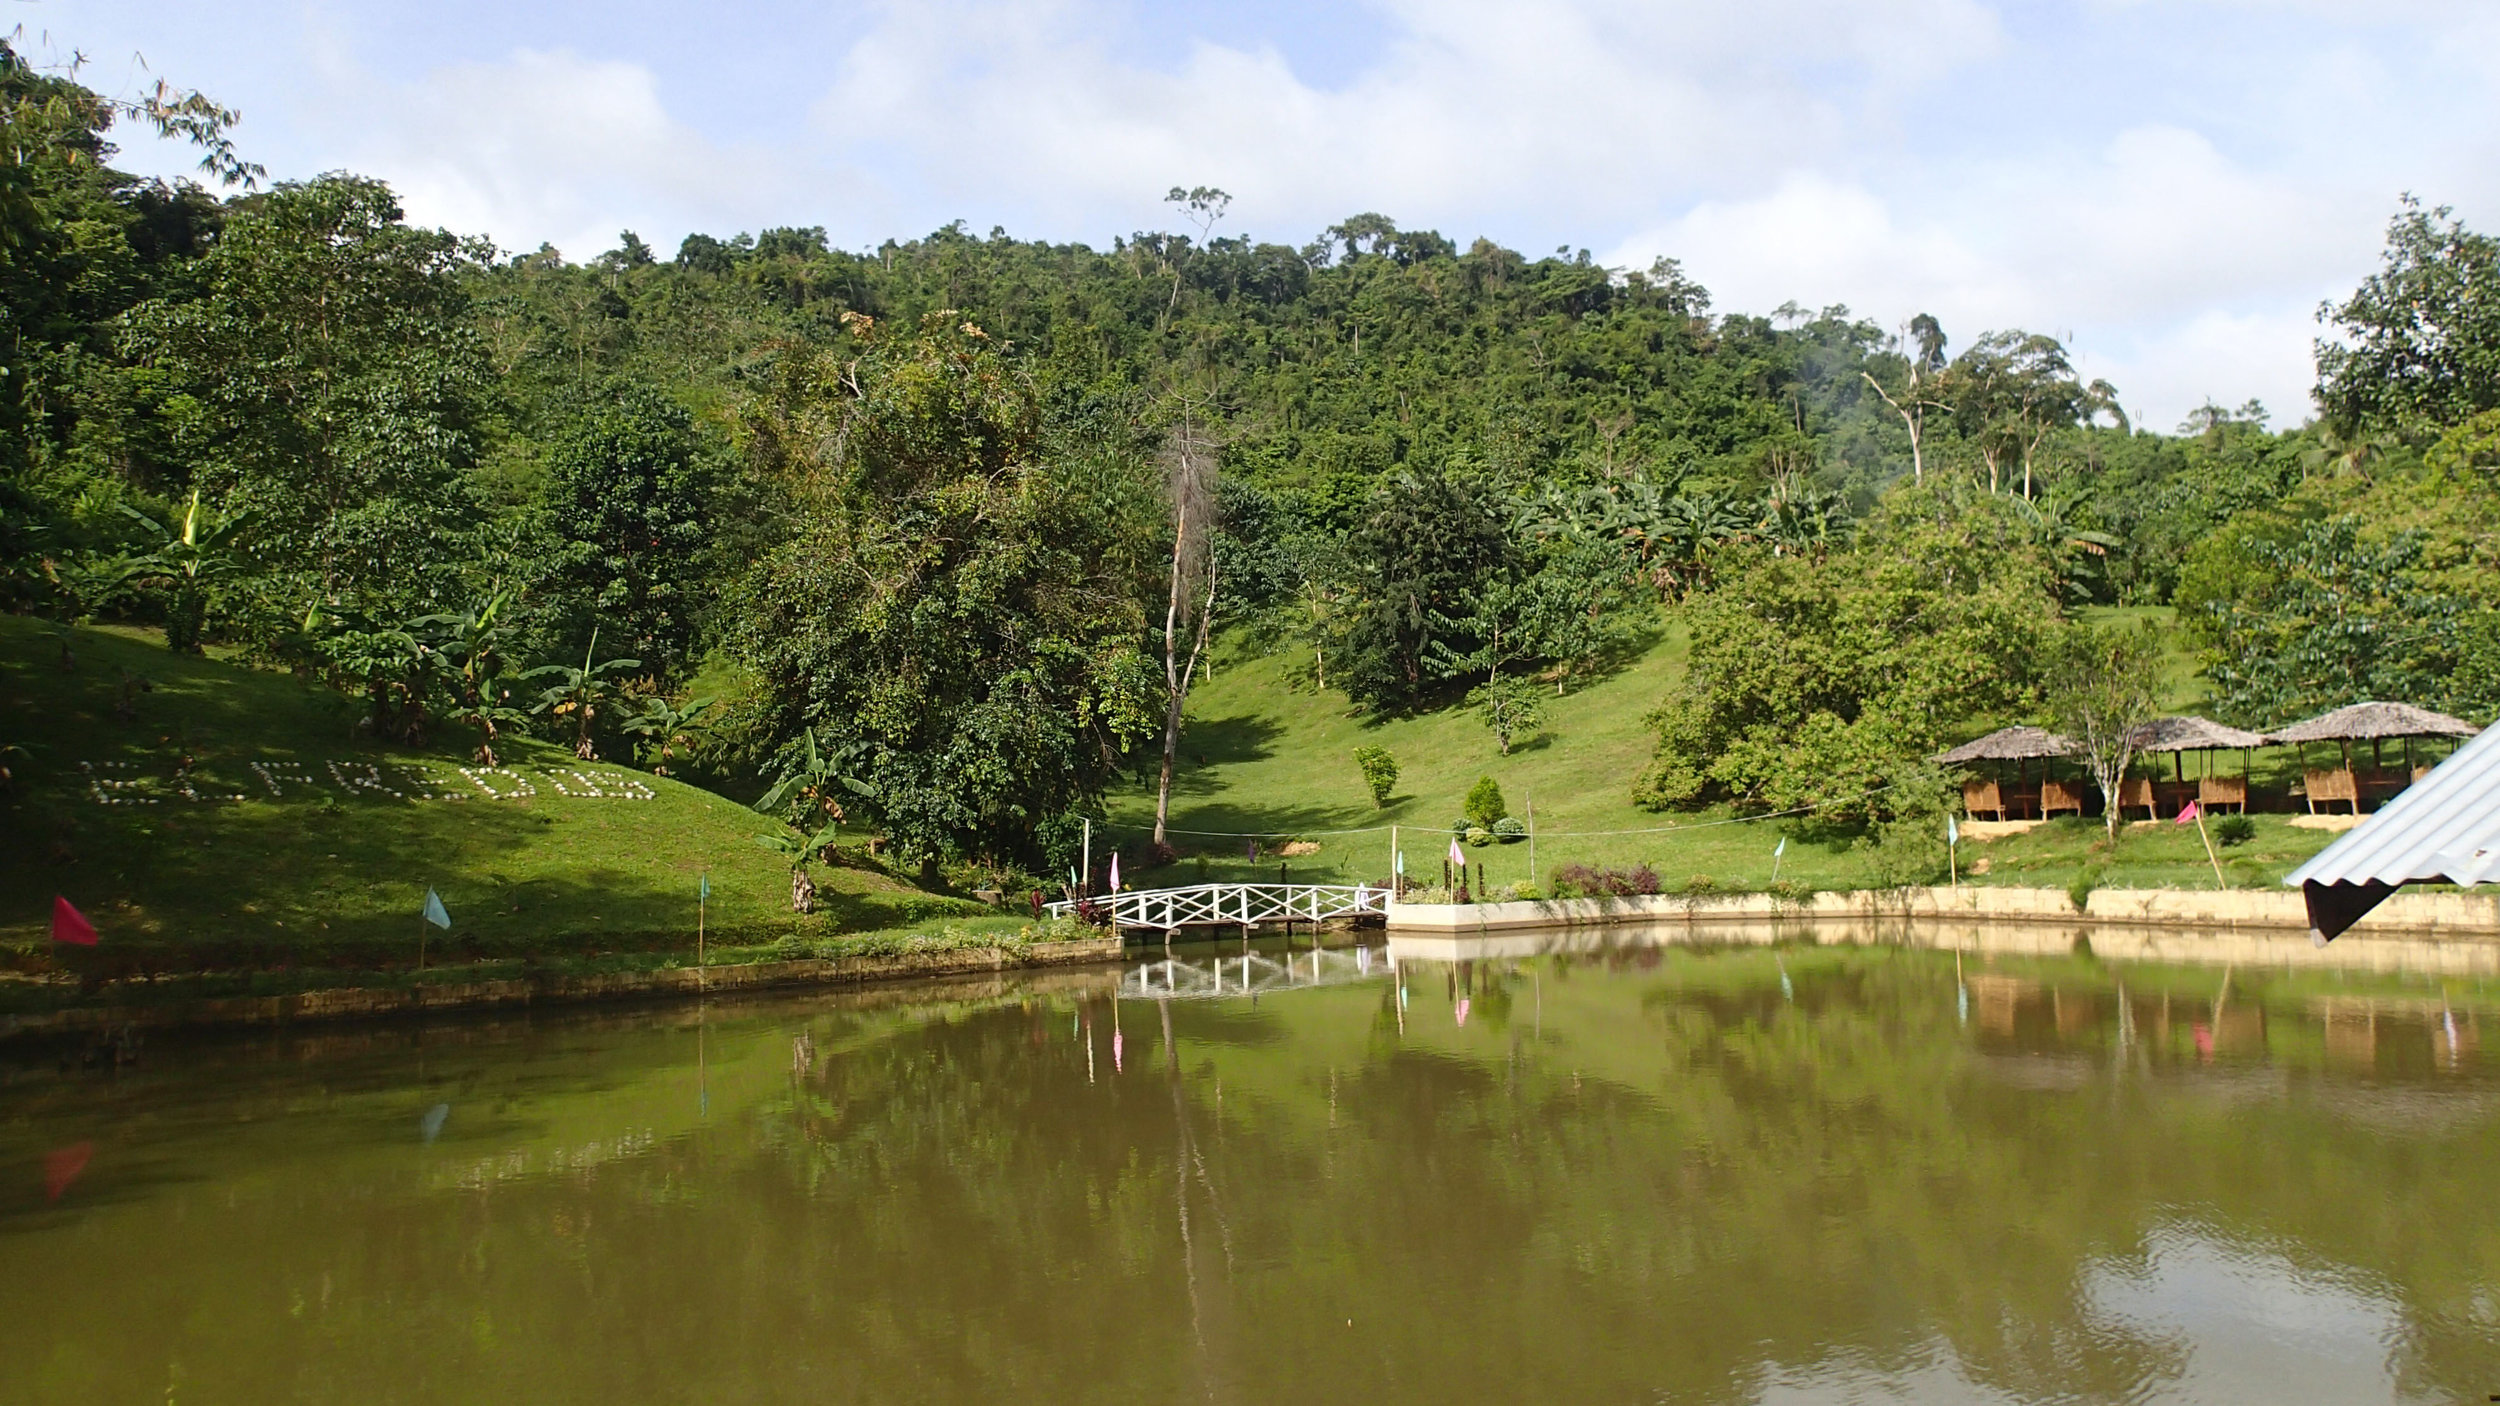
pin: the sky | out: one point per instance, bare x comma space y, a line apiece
2172, 186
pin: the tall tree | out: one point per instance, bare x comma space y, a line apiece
1921, 347
959, 598
1189, 610
333, 384
2420, 347
2104, 690
633, 498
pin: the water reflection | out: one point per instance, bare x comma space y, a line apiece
1601, 1170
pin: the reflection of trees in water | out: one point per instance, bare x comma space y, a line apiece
1665, 1182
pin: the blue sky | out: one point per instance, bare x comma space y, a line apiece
2173, 185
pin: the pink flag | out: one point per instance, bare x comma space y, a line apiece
2187, 816
1115, 871
1456, 856
69, 925
1115, 1052
1462, 1010
62, 1166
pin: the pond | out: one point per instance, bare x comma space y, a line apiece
1625, 1172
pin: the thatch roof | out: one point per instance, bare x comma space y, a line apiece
2009, 744
2366, 722
2191, 734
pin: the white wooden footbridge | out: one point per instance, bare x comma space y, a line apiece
1252, 973
1243, 906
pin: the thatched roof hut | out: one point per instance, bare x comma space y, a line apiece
2009, 744
2374, 722
2193, 734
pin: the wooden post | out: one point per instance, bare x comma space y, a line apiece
1085, 886
422, 924
703, 900
1394, 876
2209, 847
1532, 842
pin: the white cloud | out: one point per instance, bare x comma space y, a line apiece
1583, 111
2175, 272
551, 146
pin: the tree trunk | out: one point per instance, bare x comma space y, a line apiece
1176, 676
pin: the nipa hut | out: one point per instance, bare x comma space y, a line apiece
2376, 724
2000, 800
2179, 736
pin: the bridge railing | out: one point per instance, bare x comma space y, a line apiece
1251, 974
1231, 905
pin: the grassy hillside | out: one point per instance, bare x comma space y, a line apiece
324, 859
1267, 752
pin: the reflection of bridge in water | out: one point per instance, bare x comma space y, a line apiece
1253, 973
1242, 906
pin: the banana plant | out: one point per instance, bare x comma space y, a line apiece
190, 558
813, 783
666, 726
471, 647
389, 662
798, 849
579, 694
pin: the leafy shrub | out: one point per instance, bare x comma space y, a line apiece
1701, 884
1479, 836
2235, 829
1484, 802
1509, 829
1380, 771
2079, 893
1790, 893
1582, 881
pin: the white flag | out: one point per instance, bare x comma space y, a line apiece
1952, 831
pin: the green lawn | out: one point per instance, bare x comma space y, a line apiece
329, 873
1265, 751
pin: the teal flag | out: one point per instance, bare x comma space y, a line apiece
706, 890
435, 912
1952, 831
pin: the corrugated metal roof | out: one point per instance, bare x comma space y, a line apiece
2445, 826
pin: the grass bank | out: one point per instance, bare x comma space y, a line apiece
214, 818
1268, 752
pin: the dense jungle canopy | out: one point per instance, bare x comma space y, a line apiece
907, 529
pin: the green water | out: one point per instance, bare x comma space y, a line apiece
1802, 1174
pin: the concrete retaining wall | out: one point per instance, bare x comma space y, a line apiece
2420, 914
363, 1002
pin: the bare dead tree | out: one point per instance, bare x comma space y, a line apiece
1922, 342
1189, 464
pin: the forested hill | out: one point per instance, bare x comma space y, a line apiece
929, 534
